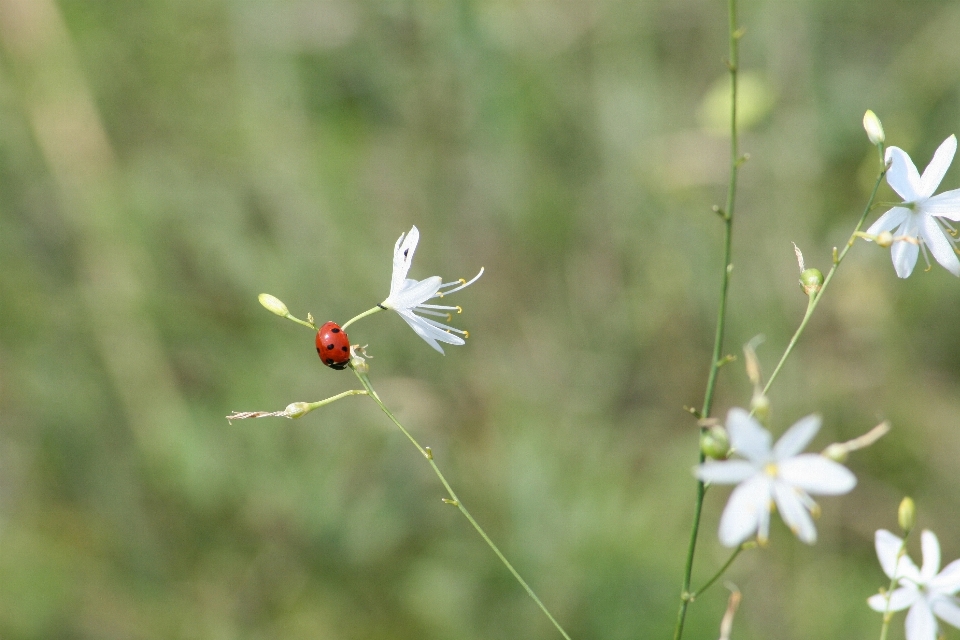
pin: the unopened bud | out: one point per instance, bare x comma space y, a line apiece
810, 281
297, 409
885, 239
760, 407
836, 452
715, 443
273, 305
871, 124
907, 514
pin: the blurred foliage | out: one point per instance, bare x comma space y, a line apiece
163, 162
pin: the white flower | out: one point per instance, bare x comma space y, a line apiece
407, 296
777, 475
925, 591
921, 221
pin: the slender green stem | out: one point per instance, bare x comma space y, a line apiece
887, 614
308, 325
715, 363
716, 576
453, 499
368, 312
815, 297
322, 403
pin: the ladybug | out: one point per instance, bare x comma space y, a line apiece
333, 346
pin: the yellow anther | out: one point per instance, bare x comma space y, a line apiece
462, 281
459, 310
449, 317
466, 334
770, 469
439, 294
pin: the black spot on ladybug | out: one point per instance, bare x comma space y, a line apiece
320, 352
334, 330
330, 346
329, 360
344, 349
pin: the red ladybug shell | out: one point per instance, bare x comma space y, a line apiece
333, 346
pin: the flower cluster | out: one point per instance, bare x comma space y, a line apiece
779, 474
928, 592
921, 221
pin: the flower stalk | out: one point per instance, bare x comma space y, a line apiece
453, 500
814, 298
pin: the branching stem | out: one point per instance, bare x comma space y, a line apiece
735, 34
815, 297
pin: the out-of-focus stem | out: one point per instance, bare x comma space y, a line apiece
815, 297
715, 363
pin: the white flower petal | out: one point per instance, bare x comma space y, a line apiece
948, 580
410, 295
403, 257
877, 602
888, 548
902, 174
794, 513
921, 624
889, 220
947, 610
817, 475
747, 437
945, 205
937, 168
416, 323
797, 437
743, 514
429, 331
939, 246
900, 599
903, 597
930, 547
904, 254
725, 472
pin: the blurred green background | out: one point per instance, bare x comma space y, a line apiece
162, 162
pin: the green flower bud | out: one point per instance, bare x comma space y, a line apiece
715, 443
810, 281
837, 452
297, 409
871, 124
760, 407
907, 514
273, 305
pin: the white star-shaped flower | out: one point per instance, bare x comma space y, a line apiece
407, 296
925, 591
922, 218
768, 475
